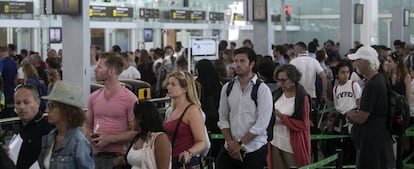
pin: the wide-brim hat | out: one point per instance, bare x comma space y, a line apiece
66, 93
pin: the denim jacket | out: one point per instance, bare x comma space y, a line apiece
75, 151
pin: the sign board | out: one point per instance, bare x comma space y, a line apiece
180, 14
16, 7
110, 11
122, 12
216, 16
239, 17
149, 13
99, 11
197, 15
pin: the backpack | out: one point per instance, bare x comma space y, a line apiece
398, 113
253, 95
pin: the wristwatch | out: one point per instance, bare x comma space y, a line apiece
242, 145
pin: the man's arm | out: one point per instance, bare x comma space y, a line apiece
264, 110
322, 74
357, 116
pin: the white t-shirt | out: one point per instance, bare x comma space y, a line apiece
281, 136
20, 73
309, 68
130, 73
345, 96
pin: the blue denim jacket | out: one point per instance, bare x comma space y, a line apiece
75, 151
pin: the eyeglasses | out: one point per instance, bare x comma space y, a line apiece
50, 105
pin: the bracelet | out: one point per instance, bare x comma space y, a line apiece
242, 145
190, 153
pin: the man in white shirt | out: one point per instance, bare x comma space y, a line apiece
129, 71
309, 68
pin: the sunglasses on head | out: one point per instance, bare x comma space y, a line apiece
26, 86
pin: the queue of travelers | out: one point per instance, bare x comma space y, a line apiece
265, 107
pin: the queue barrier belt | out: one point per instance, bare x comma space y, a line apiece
321, 163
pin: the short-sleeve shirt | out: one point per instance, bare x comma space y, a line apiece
309, 68
373, 137
130, 73
113, 115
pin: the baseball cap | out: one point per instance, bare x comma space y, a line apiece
366, 53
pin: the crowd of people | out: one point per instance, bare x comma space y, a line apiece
264, 106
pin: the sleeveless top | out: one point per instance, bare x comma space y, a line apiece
184, 139
144, 158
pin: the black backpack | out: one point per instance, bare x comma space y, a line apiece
253, 95
398, 113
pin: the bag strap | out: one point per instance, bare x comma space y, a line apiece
136, 137
178, 125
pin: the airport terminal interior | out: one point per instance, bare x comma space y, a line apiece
71, 31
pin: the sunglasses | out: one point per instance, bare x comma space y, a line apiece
26, 86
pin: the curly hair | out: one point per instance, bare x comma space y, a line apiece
74, 116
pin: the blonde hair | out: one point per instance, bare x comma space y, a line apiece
187, 81
30, 71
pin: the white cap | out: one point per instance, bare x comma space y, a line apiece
366, 53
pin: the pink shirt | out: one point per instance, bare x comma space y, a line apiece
113, 116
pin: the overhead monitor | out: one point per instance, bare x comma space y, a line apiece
204, 48
148, 35
359, 14
55, 35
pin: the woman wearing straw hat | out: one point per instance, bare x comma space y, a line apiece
65, 146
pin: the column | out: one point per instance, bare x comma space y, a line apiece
35, 39
262, 30
369, 29
76, 46
108, 39
133, 44
346, 26
397, 24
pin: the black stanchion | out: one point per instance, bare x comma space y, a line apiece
339, 160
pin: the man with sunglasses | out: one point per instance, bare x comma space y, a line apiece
34, 124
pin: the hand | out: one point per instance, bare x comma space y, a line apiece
278, 113
233, 147
101, 140
119, 161
184, 157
